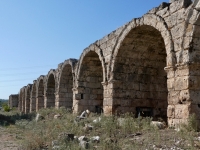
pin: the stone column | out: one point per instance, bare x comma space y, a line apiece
107, 97
179, 105
193, 92
78, 105
57, 100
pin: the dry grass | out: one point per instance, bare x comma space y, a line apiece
116, 133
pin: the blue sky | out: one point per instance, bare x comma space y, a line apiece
35, 36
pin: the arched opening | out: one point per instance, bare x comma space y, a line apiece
40, 95
90, 78
50, 91
140, 82
27, 102
65, 87
33, 98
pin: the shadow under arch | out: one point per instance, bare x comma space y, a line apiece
66, 83
33, 97
40, 92
137, 68
90, 73
155, 22
27, 98
50, 89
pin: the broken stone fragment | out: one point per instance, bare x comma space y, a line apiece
88, 127
95, 139
97, 120
38, 117
57, 116
83, 115
66, 136
159, 125
84, 144
82, 138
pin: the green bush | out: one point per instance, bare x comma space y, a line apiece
6, 108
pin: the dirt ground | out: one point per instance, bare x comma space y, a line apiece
8, 141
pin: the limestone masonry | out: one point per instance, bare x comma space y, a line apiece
13, 100
150, 66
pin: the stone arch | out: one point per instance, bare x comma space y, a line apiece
192, 33
150, 20
137, 75
66, 83
50, 89
27, 98
33, 97
40, 92
98, 51
90, 73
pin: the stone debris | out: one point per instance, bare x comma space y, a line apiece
85, 114
84, 144
87, 127
158, 124
95, 139
57, 116
82, 138
97, 120
38, 117
66, 136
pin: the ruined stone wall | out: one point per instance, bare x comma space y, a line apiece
13, 100
148, 66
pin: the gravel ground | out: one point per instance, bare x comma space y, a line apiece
8, 141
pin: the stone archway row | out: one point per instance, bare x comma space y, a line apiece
149, 66
49, 90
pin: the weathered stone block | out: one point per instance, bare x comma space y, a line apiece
173, 97
181, 83
182, 111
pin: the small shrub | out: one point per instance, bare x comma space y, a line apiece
6, 108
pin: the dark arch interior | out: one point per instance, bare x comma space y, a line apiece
40, 96
50, 91
33, 98
65, 87
141, 82
90, 78
27, 109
